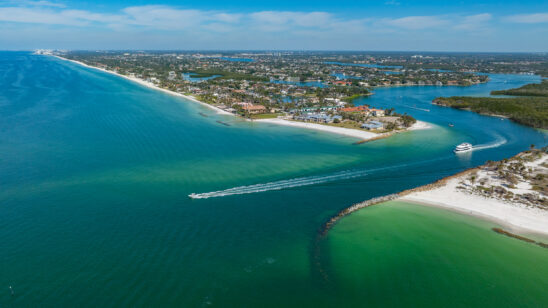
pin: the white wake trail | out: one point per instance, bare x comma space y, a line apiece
303, 181
278, 185
497, 143
417, 108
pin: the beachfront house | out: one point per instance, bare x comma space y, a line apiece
373, 125
377, 112
254, 109
360, 109
318, 117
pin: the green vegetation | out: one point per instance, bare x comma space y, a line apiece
355, 96
531, 108
407, 120
534, 89
226, 75
206, 98
531, 111
194, 74
345, 124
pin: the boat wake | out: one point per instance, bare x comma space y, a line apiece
278, 185
417, 108
497, 143
303, 181
319, 179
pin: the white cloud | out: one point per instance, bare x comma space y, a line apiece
174, 19
217, 25
473, 22
225, 17
163, 17
529, 18
85, 16
153, 16
38, 16
283, 20
45, 3
42, 3
416, 22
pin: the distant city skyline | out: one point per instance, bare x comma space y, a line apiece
487, 26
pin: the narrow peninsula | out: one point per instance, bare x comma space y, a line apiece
528, 104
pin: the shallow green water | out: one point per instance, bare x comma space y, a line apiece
400, 254
95, 173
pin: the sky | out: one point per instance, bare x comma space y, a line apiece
398, 25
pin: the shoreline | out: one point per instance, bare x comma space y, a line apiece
349, 132
149, 85
427, 85
505, 220
444, 194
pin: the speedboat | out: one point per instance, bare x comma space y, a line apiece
463, 147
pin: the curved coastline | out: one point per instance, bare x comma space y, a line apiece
518, 218
444, 194
349, 132
360, 134
426, 195
149, 85
123, 170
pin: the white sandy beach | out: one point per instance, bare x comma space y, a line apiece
361, 134
151, 85
516, 216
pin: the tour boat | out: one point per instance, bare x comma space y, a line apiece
463, 147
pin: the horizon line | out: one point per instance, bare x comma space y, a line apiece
280, 50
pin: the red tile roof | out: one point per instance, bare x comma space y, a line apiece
254, 107
355, 109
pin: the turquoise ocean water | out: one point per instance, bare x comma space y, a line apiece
95, 173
